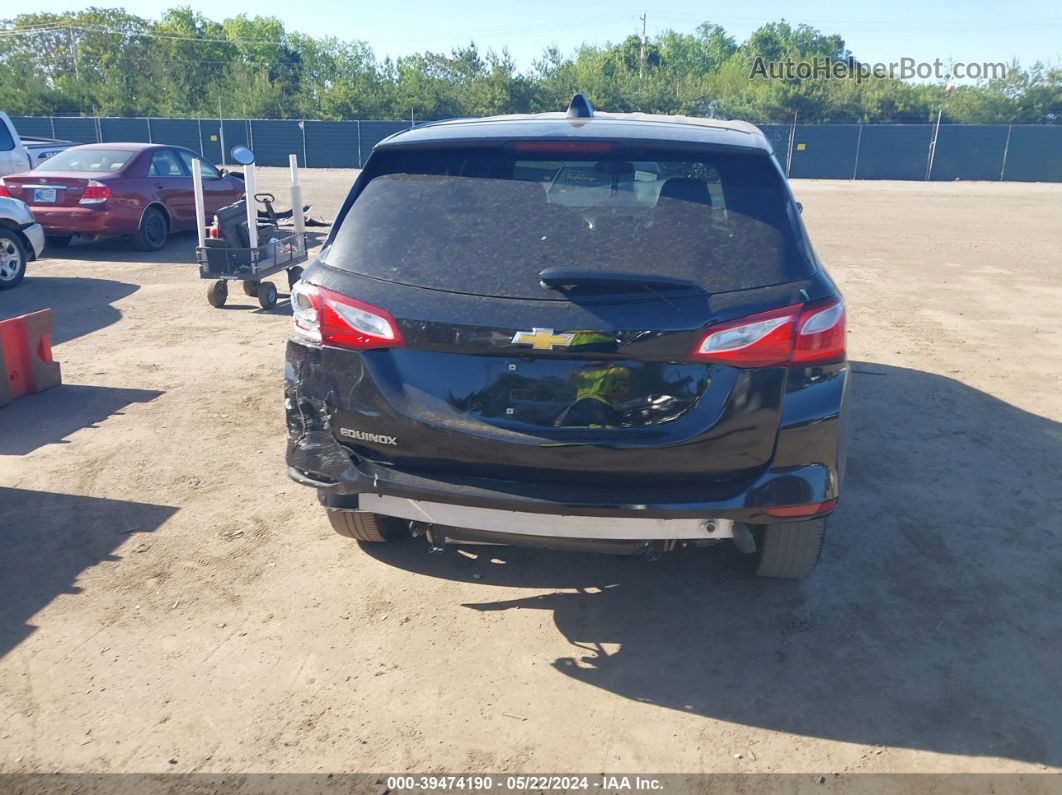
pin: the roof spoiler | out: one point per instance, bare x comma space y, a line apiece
580, 108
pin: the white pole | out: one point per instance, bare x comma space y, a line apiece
296, 202
221, 132
200, 209
252, 205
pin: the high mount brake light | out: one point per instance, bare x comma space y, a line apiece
798, 335
95, 193
574, 147
336, 320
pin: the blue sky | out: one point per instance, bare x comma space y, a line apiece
976, 30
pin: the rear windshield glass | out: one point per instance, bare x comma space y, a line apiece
489, 221
100, 161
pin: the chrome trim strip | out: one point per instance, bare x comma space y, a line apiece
548, 525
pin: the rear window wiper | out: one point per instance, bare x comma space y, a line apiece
565, 279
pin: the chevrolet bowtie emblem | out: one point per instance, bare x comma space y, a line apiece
542, 339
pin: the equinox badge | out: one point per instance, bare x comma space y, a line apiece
543, 339
362, 436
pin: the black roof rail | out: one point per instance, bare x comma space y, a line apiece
580, 108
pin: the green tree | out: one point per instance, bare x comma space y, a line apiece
186, 64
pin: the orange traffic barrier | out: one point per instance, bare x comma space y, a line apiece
26, 355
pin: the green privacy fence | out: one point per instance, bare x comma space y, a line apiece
1018, 152
318, 144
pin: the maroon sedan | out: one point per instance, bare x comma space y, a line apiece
141, 190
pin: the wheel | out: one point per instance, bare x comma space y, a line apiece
12, 259
251, 288
267, 295
57, 241
365, 526
218, 294
154, 230
788, 550
294, 274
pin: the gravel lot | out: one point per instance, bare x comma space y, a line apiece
169, 601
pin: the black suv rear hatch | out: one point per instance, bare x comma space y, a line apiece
549, 303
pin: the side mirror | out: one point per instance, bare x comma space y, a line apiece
800, 208
223, 171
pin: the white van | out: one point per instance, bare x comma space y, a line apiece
18, 154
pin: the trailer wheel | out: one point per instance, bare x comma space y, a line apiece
251, 288
218, 294
294, 274
267, 295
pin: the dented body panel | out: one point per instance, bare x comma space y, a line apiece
805, 465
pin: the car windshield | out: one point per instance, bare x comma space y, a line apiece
488, 221
98, 161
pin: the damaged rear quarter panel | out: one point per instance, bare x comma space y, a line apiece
308, 389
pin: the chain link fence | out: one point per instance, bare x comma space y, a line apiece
1017, 152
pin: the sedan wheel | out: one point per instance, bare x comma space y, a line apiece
12, 260
154, 230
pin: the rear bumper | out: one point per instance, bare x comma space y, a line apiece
738, 501
80, 220
35, 235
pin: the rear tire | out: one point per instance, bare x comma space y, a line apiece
13, 259
218, 294
789, 550
366, 526
154, 230
57, 241
251, 289
267, 295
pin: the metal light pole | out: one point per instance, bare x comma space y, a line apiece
641, 50
933, 145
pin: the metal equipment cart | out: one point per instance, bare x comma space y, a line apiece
223, 260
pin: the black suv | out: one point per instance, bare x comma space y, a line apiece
577, 330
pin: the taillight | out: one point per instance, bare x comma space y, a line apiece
755, 341
95, 193
820, 335
333, 319
795, 335
4, 192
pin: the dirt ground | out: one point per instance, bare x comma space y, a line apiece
169, 601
